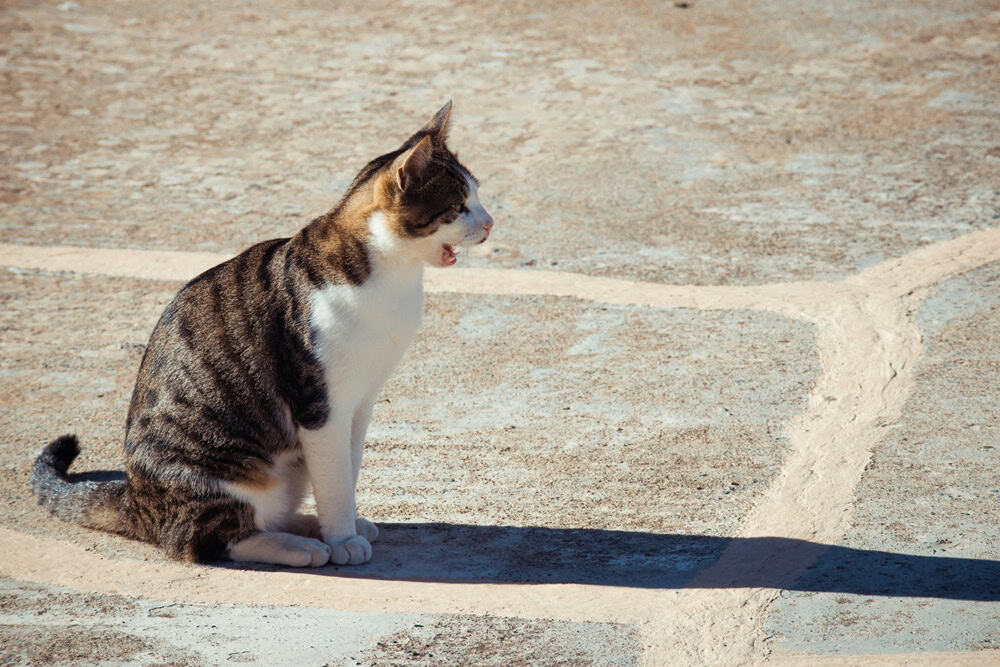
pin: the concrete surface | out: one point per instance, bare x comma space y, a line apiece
721, 388
45, 624
930, 497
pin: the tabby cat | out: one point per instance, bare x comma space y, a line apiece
260, 376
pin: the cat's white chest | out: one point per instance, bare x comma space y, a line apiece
363, 331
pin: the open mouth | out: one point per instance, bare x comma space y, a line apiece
448, 255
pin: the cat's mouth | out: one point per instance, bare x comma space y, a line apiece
449, 255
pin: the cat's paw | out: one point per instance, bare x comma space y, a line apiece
355, 550
281, 549
366, 529
318, 553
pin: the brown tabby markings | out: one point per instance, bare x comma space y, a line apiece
231, 371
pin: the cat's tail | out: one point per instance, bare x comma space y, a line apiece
94, 504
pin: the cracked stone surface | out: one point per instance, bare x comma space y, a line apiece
930, 492
52, 625
684, 419
718, 144
769, 436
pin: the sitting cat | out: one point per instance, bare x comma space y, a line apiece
260, 376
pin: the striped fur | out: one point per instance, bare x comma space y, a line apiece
251, 386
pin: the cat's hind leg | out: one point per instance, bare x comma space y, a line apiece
281, 549
306, 525
226, 528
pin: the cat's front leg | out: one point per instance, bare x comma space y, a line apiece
359, 428
328, 458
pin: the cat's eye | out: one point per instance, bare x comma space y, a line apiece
461, 208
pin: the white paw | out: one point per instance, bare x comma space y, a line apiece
318, 552
366, 529
281, 549
355, 550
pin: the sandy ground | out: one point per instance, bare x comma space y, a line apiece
721, 388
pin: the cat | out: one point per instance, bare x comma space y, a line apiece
260, 376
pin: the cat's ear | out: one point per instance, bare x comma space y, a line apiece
409, 167
437, 127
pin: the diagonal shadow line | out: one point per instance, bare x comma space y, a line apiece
445, 552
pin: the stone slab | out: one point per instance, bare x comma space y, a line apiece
713, 143
616, 445
927, 511
52, 625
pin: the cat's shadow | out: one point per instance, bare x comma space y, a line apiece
446, 552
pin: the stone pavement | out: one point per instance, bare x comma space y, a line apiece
721, 389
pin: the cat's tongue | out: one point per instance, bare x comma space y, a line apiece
448, 255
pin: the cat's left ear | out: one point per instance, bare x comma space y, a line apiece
409, 167
437, 127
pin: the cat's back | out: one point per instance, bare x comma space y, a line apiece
220, 312
227, 364
241, 287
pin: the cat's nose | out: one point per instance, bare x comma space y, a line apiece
486, 222
482, 224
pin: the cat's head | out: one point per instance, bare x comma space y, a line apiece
428, 198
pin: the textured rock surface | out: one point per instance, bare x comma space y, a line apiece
718, 144
51, 625
560, 480
929, 502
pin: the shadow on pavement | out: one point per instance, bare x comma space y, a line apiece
500, 554
535, 555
